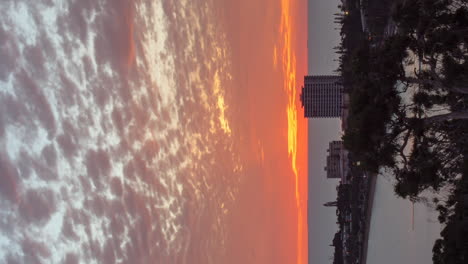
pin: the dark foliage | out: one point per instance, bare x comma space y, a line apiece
395, 119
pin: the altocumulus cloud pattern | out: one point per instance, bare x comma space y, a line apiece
111, 113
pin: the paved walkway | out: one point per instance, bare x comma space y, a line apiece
370, 202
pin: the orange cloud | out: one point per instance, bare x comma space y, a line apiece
288, 49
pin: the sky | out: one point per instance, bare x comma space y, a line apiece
153, 131
270, 52
322, 38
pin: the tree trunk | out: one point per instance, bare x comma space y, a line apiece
462, 90
437, 84
445, 117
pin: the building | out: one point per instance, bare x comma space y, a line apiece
321, 96
345, 111
337, 161
333, 167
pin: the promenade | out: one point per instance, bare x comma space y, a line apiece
370, 203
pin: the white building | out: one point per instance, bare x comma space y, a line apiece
337, 161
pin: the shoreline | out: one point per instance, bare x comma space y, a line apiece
370, 203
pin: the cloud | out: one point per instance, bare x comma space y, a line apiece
8, 179
27, 164
140, 114
50, 155
117, 120
142, 171
68, 229
37, 101
33, 251
135, 205
131, 200
88, 67
94, 249
69, 92
116, 186
35, 59
98, 206
24, 165
85, 183
150, 150
13, 111
97, 166
67, 145
9, 53
108, 253
78, 12
10, 259
71, 258
37, 205
2, 126
115, 41
102, 94
117, 225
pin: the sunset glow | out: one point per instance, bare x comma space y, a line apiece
153, 131
289, 68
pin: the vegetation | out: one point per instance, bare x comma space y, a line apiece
408, 111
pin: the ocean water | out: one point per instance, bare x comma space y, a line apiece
116, 139
401, 232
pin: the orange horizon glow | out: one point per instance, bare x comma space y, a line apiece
269, 57
288, 34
